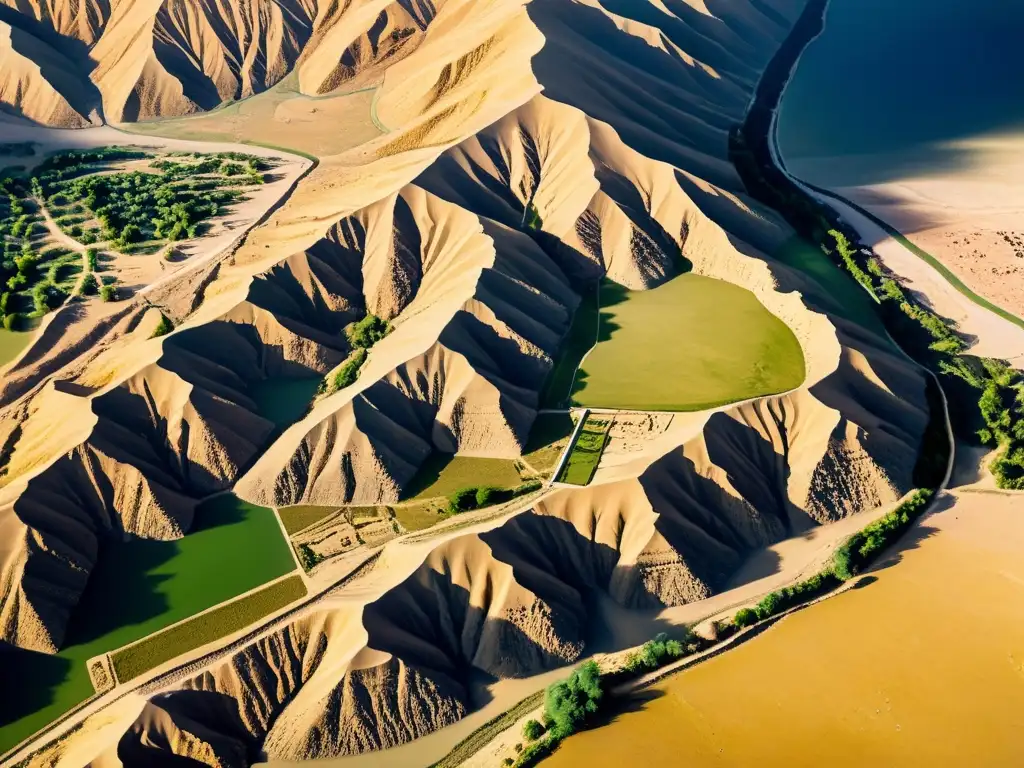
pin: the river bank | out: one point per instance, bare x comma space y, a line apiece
857, 676
926, 131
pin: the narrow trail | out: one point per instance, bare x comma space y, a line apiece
68, 242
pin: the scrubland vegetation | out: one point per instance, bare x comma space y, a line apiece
93, 200
35, 277
166, 201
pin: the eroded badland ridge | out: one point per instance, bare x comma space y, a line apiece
530, 149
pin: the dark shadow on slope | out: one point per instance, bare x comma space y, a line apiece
123, 589
30, 681
628, 198
207, 716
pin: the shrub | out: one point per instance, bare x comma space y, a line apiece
14, 321
368, 331
17, 282
349, 371
745, 617
532, 730
109, 292
88, 286
462, 500
536, 752
5, 302
570, 702
47, 296
531, 217
91, 256
164, 327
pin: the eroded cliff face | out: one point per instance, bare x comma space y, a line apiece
533, 148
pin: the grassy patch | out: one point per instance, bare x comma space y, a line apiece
442, 474
841, 294
586, 451
11, 344
139, 587
299, 517
418, 517
581, 337
690, 344
547, 439
483, 735
238, 614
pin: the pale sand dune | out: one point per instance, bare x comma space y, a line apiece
624, 158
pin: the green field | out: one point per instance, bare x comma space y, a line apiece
842, 294
443, 473
164, 646
586, 451
137, 588
690, 344
576, 344
12, 343
548, 437
284, 401
302, 516
418, 517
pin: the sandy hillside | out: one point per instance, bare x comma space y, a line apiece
610, 121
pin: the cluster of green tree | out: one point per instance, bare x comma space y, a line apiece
308, 557
867, 544
347, 374
856, 554
362, 335
995, 412
568, 705
367, 332
136, 206
478, 497
61, 165
657, 653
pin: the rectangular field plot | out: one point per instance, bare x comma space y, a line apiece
139, 587
442, 474
156, 649
586, 451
